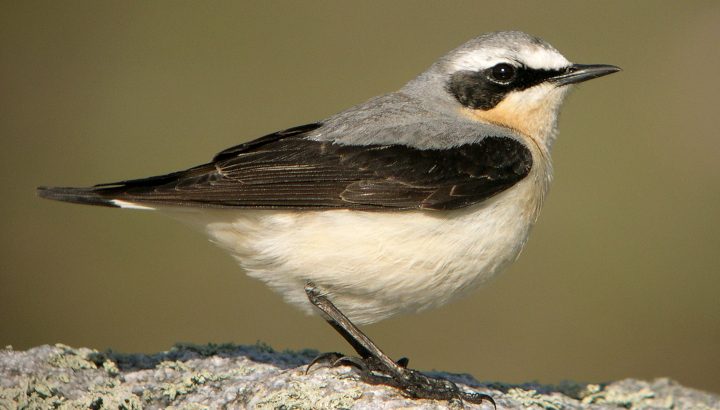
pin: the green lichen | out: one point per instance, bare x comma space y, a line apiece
633, 400
309, 396
192, 380
147, 396
189, 406
638, 395
529, 398
111, 368
9, 398
179, 366
189, 383
77, 359
34, 395
31, 394
71, 358
110, 395
576, 390
61, 377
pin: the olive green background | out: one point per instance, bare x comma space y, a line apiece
620, 278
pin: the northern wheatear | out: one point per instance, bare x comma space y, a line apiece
400, 204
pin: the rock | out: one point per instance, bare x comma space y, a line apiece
256, 377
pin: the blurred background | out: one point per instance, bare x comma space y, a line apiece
620, 278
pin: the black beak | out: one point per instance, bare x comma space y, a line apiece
578, 73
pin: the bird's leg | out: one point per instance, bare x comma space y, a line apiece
357, 339
376, 367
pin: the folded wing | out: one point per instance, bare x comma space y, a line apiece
286, 170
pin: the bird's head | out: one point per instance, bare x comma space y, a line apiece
510, 79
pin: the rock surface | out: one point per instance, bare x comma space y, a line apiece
256, 377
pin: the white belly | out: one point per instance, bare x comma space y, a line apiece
375, 265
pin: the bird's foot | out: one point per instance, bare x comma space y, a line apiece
411, 383
376, 367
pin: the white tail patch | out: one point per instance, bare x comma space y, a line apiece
130, 205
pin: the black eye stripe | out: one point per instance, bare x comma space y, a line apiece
486, 88
473, 89
529, 77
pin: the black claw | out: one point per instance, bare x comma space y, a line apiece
330, 357
351, 361
417, 385
477, 398
403, 362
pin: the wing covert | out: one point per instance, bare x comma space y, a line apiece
286, 170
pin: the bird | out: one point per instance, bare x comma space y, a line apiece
398, 205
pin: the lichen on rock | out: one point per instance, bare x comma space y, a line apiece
228, 376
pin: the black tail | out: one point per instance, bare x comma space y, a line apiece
86, 196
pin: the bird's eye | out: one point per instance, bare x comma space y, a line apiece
502, 73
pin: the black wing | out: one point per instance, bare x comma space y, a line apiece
285, 170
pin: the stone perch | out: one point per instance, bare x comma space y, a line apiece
257, 377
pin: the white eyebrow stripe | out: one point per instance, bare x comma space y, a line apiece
537, 58
477, 62
542, 58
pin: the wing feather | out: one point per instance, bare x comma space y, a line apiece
286, 170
